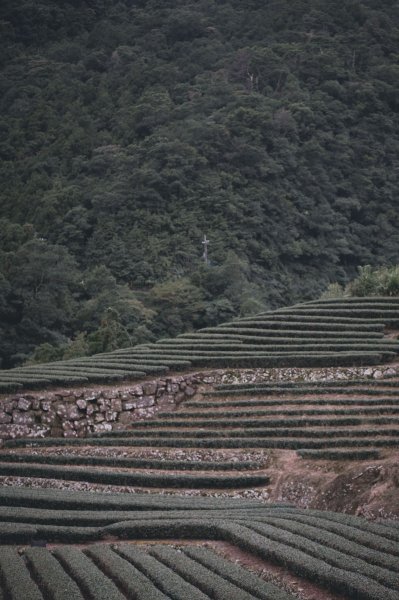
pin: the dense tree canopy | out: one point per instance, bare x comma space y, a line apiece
129, 129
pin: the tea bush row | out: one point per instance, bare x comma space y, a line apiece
215, 411
388, 550
129, 579
240, 347
235, 574
305, 359
368, 387
217, 333
201, 349
357, 524
294, 443
328, 547
325, 317
92, 581
261, 401
255, 423
358, 300
53, 581
138, 463
387, 315
15, 578
63, 499
339, 454
132, 479
383, 567
199, 576
160, 575
237, 432
341, 580
99, 518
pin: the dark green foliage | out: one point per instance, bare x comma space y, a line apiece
266, 324
164, 577
290, 439
340, 577
133, 479
368, 534
259, 401
50, 576
15, 578
62, 499
357, 388
129, 130
140, 463
130, 580
90, 519
290, 346
339, 454
384, 280
207, 581
236, 574
90, 578
257, 422
346, 554
306, 412
327, 546
276, 337
211, 351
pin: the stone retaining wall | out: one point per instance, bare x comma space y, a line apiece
77, 412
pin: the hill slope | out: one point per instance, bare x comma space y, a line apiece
349, 331
130, 130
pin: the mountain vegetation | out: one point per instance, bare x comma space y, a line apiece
129, 130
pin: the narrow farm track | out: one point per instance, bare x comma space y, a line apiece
247, 490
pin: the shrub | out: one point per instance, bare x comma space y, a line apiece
89, 577
352, 529
339, 454
381, 281
51, 577
236, 574
133, 479
338, 579
132, 582
16, 580
162, 576
208, 582
141, 463
333, 549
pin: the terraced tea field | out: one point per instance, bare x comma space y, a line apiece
318, 420
187, 529
344, 554
348, 331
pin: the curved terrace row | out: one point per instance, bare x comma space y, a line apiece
340, 332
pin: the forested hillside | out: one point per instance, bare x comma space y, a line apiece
130, 129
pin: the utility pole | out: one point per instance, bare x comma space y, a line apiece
205, 255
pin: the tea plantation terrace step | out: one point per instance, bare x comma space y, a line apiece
348, 300
258, 401
136, 479
347, 555
365, 387
299, 323
131, 463
229, 411
217, 440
